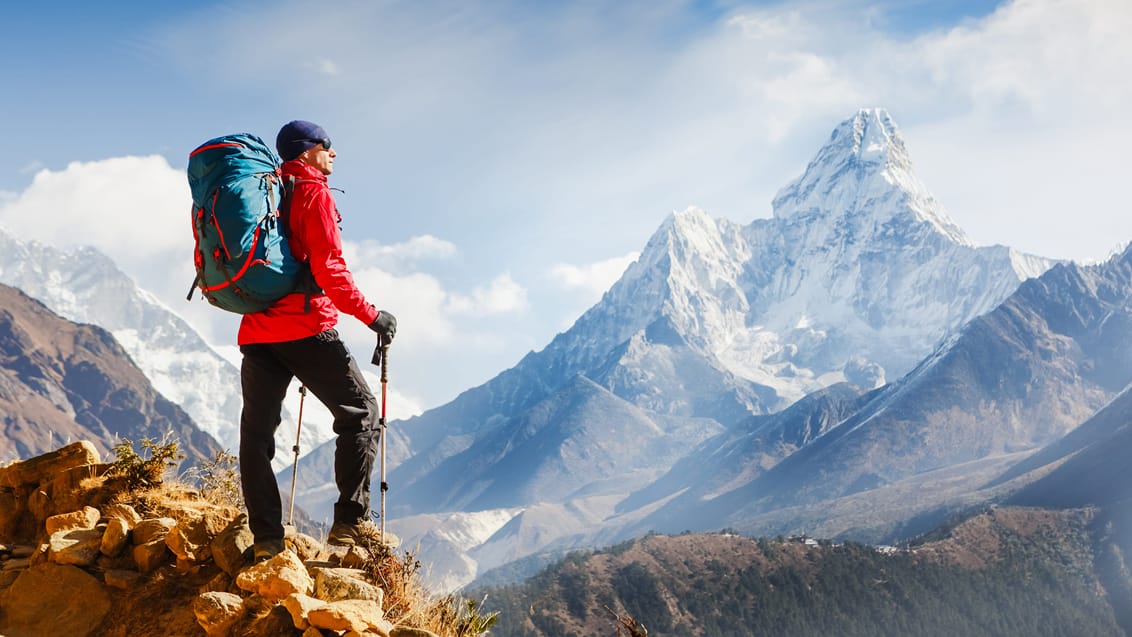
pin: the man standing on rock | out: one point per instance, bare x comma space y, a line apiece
296, 338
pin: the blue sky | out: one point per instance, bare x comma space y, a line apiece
503, 161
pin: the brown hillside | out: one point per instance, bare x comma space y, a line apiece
61, 382
1008, 572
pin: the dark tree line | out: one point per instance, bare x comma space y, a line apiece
846, 590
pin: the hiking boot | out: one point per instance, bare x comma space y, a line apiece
347, 534
267, 549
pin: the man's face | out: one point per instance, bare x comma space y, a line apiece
320, 157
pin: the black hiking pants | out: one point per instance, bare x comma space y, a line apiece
325, 366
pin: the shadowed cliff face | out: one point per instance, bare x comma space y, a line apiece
61, 382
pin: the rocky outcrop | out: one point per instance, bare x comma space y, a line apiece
92, 561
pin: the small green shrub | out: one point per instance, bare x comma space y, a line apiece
148, 468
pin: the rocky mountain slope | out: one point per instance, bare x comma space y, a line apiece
1089, 466
61, 382
1010, 382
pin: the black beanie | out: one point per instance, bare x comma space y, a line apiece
296, 137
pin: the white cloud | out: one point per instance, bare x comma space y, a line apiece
1029, 52
593, 278
503, 295
132, 208
394, 256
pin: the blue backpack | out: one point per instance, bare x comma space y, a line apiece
242, 259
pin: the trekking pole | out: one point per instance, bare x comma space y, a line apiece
381, 422
295, 467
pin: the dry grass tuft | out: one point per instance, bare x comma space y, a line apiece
406, 600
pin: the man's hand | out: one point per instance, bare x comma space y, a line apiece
385, 325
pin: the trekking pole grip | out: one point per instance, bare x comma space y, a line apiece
385, 363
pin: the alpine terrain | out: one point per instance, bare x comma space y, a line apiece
84, 285
61, 383
959, 430
717, 326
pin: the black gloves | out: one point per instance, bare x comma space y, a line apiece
386, 327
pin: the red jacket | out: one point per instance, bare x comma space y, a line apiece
316, 239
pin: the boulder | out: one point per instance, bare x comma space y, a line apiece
152, 529
42, 602
356, 557
79, 547
122, 512
276, 578
65, 489
115, 538
85, 518
35, 470
300, 606
189, 539
216, 612
360, 615
334, 584
230, 545
304, 545
276, 622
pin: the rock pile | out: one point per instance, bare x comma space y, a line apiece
78, 563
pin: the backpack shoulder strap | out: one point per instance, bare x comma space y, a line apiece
306, 284
289, 183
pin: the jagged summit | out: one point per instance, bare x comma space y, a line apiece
864, 169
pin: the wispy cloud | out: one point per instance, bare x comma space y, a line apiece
31, 167
325, 67
393, 256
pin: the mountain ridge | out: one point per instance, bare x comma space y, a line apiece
63, 380
857, 277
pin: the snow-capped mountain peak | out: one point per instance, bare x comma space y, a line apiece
864, 169
856, 278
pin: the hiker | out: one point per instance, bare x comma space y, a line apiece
296, 337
